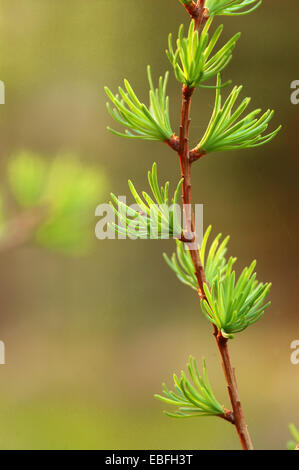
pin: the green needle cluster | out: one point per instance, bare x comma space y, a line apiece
233, 306
231, 7
226, 131
140, 121
192, 61
192, 397
155, 216
213, 263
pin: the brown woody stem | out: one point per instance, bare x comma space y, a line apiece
198, 12
232, 386
185, 165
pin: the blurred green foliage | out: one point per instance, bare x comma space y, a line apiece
65, 191
27, 174
295, 435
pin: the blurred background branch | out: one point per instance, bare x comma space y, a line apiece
21, 229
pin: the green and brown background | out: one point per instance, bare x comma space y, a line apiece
89, 339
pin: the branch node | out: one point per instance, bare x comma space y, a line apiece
198, 12
173, 142
196, 154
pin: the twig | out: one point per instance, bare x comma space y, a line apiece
187, 188
198, 12
186, 157
232, 386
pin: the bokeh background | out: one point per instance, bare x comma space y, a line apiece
90, 339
